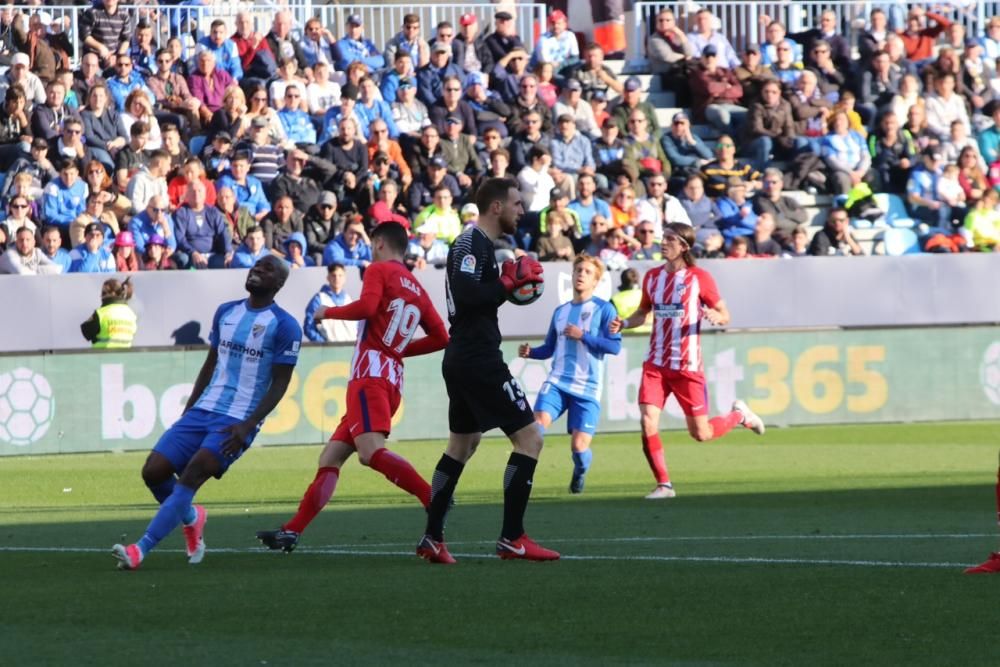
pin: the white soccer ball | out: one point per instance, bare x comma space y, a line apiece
526, 293
26, 406
989, 373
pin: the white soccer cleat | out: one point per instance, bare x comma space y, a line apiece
750, 418
661, 491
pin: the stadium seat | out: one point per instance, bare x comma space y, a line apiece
896, 214
197, 144
900, 241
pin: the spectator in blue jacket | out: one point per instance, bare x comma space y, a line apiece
253, 248
126, 80
350, 247
685, 150
331, 294
154, 220
52, 247
295, 251
297, 123
736, 216
430, 77
227, 56
92, 256
65, 197
402, 68
353, 46
370, 108
202, 232
249, 190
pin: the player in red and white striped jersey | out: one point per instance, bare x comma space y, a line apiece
392, 305
680, 295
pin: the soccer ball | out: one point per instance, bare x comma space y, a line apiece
989, 373
26, 406
526, 293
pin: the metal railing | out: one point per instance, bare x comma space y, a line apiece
740, 21
381, 22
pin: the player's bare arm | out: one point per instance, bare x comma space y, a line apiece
204, 377
719, 316
281, 375
635, 319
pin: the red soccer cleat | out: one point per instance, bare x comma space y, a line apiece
433, 551
524, 548
128, 557
194, 536
991, 566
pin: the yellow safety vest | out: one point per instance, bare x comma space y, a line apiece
118, 325
627, 302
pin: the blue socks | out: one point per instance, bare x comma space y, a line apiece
163, 490
172, 511
581, 462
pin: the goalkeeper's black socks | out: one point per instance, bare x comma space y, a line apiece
443, 485
516, 491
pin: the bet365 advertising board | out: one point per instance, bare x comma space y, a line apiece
102, 401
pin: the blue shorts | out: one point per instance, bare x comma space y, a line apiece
198, 429
583, 412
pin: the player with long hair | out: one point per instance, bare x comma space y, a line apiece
680, 295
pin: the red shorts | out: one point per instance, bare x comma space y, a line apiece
688, 386
371, 403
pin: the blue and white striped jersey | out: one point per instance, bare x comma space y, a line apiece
248, 342
578, 365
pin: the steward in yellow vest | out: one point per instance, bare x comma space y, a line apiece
112, 325
627, 300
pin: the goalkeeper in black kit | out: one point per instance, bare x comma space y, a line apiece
482, 395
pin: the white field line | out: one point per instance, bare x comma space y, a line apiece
391, 550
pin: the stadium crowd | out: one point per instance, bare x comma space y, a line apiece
298, 141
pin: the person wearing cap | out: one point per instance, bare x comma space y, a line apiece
19, 74
921, 191
321, 224
685, 150
332, 294
302, 179
354, 46
35, 162
347, 109
489, 109
559, 205
572, 154
459, 151
106, 29
421, 192
469, 50
409, 41
752, 74
124, 252
631, 99
92, 256
716, 93
705, 34
34, 42
282, 43
409, 113
504, 38
426, 249
430, 77
155, 256
571, 103
558, 45
266, 157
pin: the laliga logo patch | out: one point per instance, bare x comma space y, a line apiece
468, 264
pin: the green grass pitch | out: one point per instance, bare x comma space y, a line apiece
809, 546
